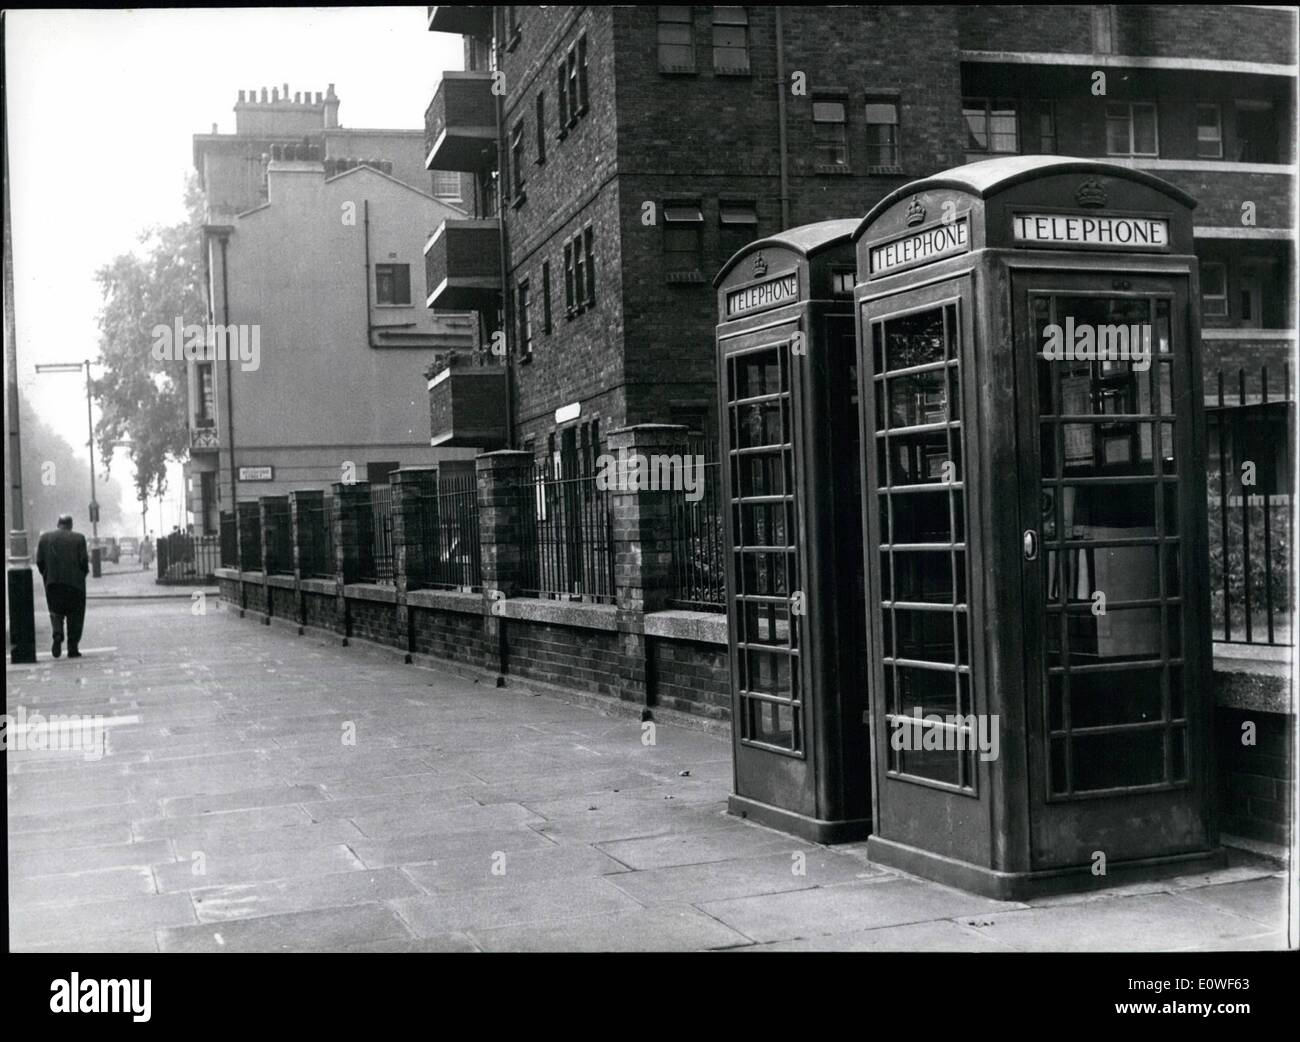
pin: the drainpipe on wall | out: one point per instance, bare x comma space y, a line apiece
507, 297
780, 111
230, 387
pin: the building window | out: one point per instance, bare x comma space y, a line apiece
517, 159
589, 297
570, 298
512, 27
562, 93
882, 131
730, 40
571, 83
843, 281
582, 75
683, 224
393, 284
1040, 126
1214, 290
1131, 129
524, 320
541, 128
579, 273
990, 127
737, 226
546, 297
207, 396
446, 185
830, 131
676, 45
1209, 132
1256, 132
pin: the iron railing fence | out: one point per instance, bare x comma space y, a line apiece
1250, 449
699, 578
185, 558
567, 538
229, 543
279, 538
250, 541
316, 538
375, 536
449, 534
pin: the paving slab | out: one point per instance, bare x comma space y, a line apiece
843, 907
512, 905
695, 848
500, 870
220, 870
1145, 922
743, 877
675, 929
81, 887
327, 929
300, 894
71, 926
85, 859
1263, 899
941, 935
435, 846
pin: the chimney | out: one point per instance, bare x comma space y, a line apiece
331, 108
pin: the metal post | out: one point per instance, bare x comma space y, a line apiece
18, 570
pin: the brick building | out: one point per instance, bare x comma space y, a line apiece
295, 206
631, 150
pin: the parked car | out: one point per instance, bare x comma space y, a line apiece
129, 544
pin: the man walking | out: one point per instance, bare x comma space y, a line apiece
63, 563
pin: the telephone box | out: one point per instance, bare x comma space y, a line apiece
787, 387
1035, 538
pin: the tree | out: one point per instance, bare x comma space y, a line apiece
56, 480
143, 400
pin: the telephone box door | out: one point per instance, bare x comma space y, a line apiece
1109, 475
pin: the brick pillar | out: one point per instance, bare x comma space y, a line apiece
501, 520
643, 552
304, 504
248, 515
410, 488
269, 519
351, 520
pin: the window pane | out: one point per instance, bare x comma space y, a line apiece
1144, 129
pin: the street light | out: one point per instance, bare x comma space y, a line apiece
74, 367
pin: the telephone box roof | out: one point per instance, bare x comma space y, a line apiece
804, 240
991, 176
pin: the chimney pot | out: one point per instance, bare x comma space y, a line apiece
275, 93
286, 92
318, 97
263, 95
241, 97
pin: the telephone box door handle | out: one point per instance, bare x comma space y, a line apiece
1031, 545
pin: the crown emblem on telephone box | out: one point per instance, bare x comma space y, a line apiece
1091, 194
760, 266
915, 212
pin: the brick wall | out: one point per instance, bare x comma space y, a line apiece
566, 656
284, 603
375, 621
691, 677
321, 611
1255, 788
1186, 30
456, 636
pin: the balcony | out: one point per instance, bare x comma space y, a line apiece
204, 438
462, 266
462, 19
460, 124
467, 402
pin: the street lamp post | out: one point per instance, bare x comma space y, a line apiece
74, 367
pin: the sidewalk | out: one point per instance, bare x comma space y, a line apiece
264, 792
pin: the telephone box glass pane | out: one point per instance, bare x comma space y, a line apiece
1110, 537
918, 429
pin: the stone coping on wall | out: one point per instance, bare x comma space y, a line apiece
1253, 677
703, 627
370, 592
446, 600
561, 613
